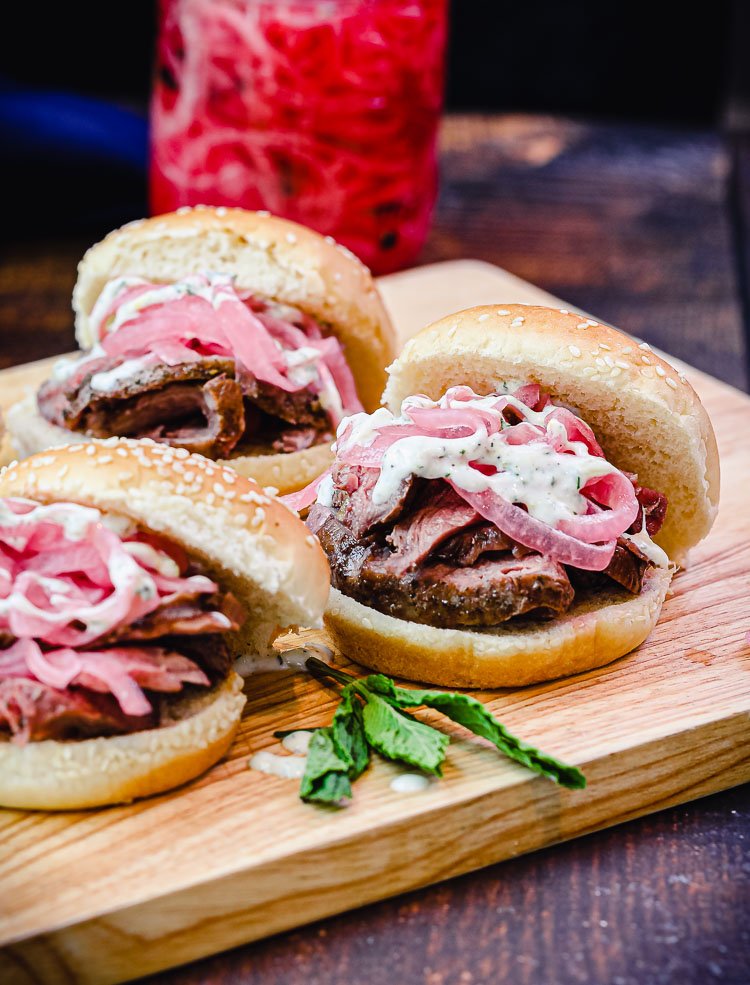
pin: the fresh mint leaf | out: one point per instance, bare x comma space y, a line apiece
472, 714
401, 737
349, 733
326, 777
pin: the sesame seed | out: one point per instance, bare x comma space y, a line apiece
593, 324
594, 376
219, 489
600, 362
210, 498
603, 345
582, 324
483, 317
626, 349
91, 449
646, 360
106, 459
330, 240
621, 363
291, 238
564, 311
615, 371
660, 371
683, 379
502, 311
574, 350
671, 382
644, 345
589, 371
609, 360
517, 322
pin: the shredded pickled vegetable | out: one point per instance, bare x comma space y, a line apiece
533, 469
321, 111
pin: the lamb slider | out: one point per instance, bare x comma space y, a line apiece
516, 510
132, 575
234, 334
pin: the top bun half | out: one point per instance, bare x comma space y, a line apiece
646, 416
274, 258
247, 540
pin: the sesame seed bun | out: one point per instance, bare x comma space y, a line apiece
54, 775
276, 260
646, 416
648, 420
246, 540
598, 628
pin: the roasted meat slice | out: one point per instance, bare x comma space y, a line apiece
439, 594
32, 711
352, 498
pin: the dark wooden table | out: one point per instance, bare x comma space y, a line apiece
649, 229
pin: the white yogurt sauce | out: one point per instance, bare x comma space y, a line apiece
288, 767
111, 379
297, 742
410, 783
546, 481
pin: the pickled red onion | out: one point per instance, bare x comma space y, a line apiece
211, 319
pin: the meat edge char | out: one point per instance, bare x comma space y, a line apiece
486, 594
199, 406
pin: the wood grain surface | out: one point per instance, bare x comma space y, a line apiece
572, 205
244, 858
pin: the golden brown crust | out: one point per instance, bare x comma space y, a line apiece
594, 632
76, 774
251, 542
277, 259
647, 417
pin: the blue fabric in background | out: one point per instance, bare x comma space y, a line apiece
70, 162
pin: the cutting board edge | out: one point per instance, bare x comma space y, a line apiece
101, 933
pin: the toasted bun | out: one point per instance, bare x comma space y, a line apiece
286, 472
647, 417
597, 629
249, 541
53, 775
274, 258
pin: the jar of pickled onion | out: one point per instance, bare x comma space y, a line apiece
323, 111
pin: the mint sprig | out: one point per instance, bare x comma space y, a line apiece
372, 715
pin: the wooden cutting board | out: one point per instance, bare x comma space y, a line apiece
109, 895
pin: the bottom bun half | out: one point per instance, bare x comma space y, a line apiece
76, 774
599, 628
286, 471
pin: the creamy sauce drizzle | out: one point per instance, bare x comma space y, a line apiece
287, 767
410, 783
546, 481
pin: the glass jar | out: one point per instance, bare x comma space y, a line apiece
323, 111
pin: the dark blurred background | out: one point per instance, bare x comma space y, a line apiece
660, 63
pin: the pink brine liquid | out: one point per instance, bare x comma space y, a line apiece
323, 111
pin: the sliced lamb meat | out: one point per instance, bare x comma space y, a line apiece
189, 615
417, 535
300, 407
208, 419
654, 508
33, 711
486, 594
465, 548
81, 398
352, 498
298, 439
